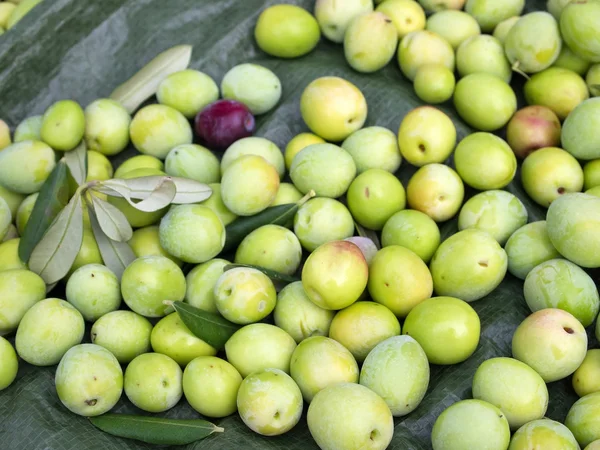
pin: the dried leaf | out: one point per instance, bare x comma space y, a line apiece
144, 83
76, 160
113, 222
155, 192
116, 255
54, 255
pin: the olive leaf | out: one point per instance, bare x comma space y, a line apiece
187, 190
54, 255
211, 328
190, 191
52, 198
144, 84
155, 430
116, 255
159, 188
76, 160
365, 232
113, 222
277, 215
155, 192
272, 274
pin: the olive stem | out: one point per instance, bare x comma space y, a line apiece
306, 198
515, 68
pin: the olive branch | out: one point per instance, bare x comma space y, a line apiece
54, 233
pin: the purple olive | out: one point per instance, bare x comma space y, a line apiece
223, 122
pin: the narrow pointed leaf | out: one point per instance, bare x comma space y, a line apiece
186, 190
54, 255
211, 328
190, 191
113, 222
116, 255
155, 192
117, 187
76, 160
365, 232
140, 189
52, 198
273, 275
143, 85
161, 196
155, 430
277, 215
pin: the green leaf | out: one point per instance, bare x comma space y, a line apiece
211, 328
113, 222
273, 275
76, 160
116, 255
365, 232
143, 85
277, 215
54, 255
156, 192
155, 430
52, 198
